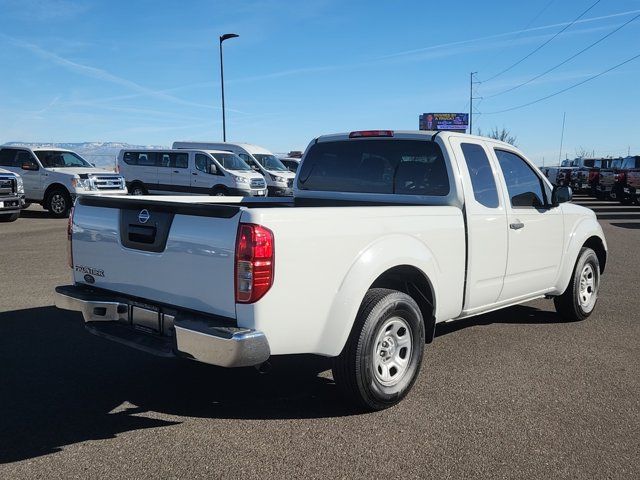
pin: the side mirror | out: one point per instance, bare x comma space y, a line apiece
213, 170
29, 166
561, 194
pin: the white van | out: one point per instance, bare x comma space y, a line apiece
279, 178
206, 172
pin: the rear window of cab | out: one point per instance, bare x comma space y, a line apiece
393, 166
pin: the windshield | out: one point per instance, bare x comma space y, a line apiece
230, 161
270, 162
566, 163
56, 159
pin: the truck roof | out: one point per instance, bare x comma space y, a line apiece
409, 135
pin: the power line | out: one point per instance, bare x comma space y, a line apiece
565, 61
544, 43
593, 77
525, 28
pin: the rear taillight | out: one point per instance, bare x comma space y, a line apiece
620, 177
70, 239
593, 176
371, 133
254, 262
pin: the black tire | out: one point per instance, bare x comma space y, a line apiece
355, 370
58, 202
571, 305
137, 188
219, 192
11, 217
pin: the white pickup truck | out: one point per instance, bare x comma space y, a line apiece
53, 177
388, 234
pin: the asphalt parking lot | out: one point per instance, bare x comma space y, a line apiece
513, 394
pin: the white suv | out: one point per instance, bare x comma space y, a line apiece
53, 177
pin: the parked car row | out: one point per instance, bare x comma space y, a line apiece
54, 177
205, 168
605, 178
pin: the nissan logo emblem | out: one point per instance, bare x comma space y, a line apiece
144, 216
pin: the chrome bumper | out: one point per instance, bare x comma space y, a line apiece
182, 335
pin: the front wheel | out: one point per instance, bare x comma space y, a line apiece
382, 357
12, 217
579, 299
58, 203
219, 192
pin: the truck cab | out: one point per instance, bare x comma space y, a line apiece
54, 177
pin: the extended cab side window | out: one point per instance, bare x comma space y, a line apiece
523, 184
482, 180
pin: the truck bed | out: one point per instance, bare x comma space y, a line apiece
184, 255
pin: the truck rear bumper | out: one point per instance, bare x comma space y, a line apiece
164, 332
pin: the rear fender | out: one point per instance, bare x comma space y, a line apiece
373, 261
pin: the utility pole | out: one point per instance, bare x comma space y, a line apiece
471, 98
564, 114
224, 37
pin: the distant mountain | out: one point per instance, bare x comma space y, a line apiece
102, 154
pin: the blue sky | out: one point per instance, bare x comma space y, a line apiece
147, 72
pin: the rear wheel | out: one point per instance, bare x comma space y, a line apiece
137, 189
12, 217
58, 202
579, 299
381, 359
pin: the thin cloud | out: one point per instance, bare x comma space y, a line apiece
506, 34
100, 74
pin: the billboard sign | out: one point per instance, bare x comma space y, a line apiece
444, 121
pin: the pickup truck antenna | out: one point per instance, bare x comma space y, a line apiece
564, 114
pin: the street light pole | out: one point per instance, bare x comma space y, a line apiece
224, 125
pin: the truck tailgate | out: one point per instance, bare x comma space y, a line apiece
170, 252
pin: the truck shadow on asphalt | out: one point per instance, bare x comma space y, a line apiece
59, 385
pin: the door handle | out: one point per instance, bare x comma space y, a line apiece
176, 171
194, 173
516, 225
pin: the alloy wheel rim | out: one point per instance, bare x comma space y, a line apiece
58, 203
588, 288
392, 351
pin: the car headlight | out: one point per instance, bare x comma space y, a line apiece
82, 184
241, 179
275, 178
20, 184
